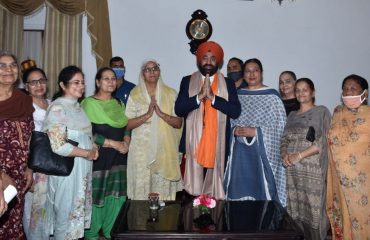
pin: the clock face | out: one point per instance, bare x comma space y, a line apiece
199, 29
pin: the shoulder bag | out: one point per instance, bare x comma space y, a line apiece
42, 159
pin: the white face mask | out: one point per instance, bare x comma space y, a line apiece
353, 102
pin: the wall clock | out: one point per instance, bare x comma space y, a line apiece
198, 29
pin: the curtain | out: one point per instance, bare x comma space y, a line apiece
69, 7
62, 44
27, 7
98, 20
11, 32
99, 29
21, 7
33, 46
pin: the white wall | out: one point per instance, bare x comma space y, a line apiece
324, 40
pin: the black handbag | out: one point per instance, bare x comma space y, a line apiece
42, 159
310, 136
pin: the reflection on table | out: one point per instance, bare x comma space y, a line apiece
232, 220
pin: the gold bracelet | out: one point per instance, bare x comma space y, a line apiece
87, 155
300, 156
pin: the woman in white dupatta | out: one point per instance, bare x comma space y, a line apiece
153, 158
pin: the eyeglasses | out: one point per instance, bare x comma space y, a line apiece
152, 69
4, 66
37, 82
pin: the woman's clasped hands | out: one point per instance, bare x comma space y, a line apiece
93, 153
153, 107
289, 159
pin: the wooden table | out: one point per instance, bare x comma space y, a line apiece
232, 220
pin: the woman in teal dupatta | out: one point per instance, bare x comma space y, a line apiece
108, 119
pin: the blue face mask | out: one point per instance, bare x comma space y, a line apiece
120, 72
235, 76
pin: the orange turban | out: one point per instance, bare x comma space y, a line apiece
212, 47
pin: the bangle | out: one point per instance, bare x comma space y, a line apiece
99, 140
300, 156
87, 155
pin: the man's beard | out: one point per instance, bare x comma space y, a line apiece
207, 69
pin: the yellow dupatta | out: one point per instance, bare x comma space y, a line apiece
162, 156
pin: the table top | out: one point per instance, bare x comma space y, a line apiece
178, 219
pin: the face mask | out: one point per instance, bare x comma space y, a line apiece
235, 76
120, 72
353, 102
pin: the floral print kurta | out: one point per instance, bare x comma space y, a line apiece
14, 144
349, 173
69, 199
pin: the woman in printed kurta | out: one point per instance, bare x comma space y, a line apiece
108, 119
348, 192
16, 125
69, 198
34, 80
304, 153
153, 158
254, 170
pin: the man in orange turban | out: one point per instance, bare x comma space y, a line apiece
206, 101
212, 47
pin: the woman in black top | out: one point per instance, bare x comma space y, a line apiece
286, 87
